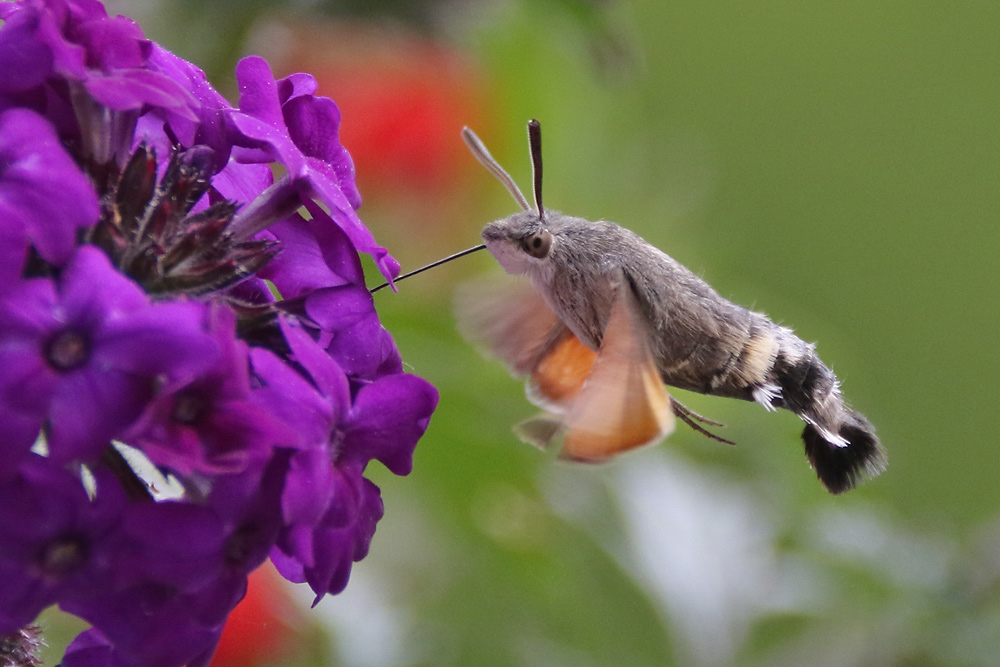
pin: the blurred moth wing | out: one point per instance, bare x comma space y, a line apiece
510, 318
623, 403
601, 402
560, 373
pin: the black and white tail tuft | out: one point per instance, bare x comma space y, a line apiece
840, 443
841, 467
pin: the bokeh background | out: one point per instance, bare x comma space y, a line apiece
836, 165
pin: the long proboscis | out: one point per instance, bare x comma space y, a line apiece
467, 251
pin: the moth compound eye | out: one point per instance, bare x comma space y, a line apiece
537, 245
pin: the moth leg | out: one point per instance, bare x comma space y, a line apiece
682, 410
691, 418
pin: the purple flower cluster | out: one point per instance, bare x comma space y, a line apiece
168, 305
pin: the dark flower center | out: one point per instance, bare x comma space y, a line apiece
62, 556
189, 406
67, 350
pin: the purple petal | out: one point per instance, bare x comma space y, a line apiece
308, 487
361, 348
313, 124
178, 544
258, 90
355, 337
92, 649
336, 245
88, 409
322, 184
314, 255
324, 371
162, 635
132, 89
24, 60
26, 310
243, 182
41, 188
42, 507
165, 338
346, 532
292, 398
387, 419
288, 566
264, 142
296, 85
210, 127
20, 433
91, 288
13, 249
113, 42
27, 382
337, 308
132, 347
69, 58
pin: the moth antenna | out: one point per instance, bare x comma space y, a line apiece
535, 147
479, 151
467, 251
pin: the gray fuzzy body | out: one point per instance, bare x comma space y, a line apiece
700, 341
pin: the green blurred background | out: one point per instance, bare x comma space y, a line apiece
832, 164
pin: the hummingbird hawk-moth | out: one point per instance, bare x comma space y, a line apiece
608, 319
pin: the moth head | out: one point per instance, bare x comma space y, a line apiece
520, 243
